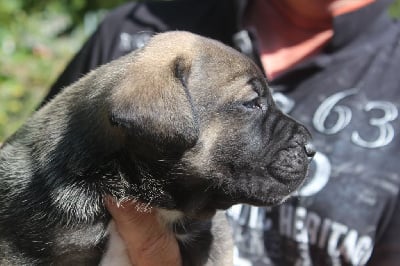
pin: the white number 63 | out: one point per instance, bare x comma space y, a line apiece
344, 115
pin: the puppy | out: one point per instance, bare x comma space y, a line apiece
186, 125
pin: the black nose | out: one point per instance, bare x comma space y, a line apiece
310, 150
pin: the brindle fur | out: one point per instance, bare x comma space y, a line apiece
169, 125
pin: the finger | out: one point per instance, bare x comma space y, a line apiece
148, 241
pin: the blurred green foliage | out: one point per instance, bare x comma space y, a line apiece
37, 39
394, 10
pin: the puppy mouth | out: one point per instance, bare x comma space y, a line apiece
276, 182
258, 190
290, 164
260, 185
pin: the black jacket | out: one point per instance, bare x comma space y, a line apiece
349, 96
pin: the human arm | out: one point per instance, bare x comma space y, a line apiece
148, 242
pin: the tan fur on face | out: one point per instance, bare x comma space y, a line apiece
207, 140
151, 90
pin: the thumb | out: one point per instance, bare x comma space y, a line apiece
147, 240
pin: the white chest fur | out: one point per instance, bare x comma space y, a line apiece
116, 253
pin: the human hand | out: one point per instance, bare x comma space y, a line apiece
149, 243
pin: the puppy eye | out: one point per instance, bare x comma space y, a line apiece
255, 104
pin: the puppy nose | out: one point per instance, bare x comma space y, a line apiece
310, 150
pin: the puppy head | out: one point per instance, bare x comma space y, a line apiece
207, 110
152, 101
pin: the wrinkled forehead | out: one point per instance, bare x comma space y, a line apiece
214, 70
226, 60
204, 52
225, 71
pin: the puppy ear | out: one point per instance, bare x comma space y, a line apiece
153, 103
181, 72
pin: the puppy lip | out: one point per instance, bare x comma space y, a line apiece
209, 210
290, 165
263, 202
262, 192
